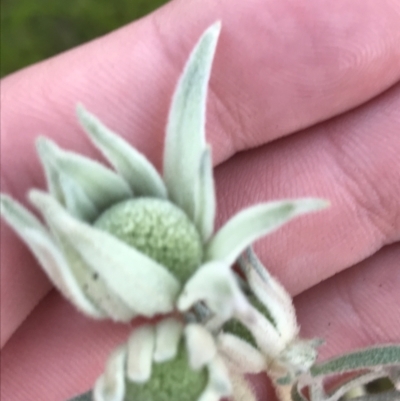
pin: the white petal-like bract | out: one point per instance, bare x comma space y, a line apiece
215, 284
168, 335
141, 345
47, 253
185, 138
252, 223
140, 282
200, 346
272, 295
219, 384
138, 172
240, 355
241, 388
205, 207
81, 181
110, 386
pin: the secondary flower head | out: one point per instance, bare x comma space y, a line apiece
124, 242
165, 362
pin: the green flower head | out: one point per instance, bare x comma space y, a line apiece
165, 362
125, 242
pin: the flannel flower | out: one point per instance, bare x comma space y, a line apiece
122, 244
127, 242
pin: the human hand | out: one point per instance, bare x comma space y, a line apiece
279, 69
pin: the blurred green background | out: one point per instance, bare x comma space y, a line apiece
32, 30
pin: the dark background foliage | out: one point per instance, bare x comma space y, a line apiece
32, 30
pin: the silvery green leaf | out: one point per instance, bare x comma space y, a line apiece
141, 345
168, 335
243, 358
379, 356
252, 223
101, 187
138, 172
200, 345
272, 295
352, 386
354, 383
110, 386
141, 283
185, 138
46, 252
219, 384
205, 199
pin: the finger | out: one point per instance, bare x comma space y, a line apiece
270, 78
353, 161
357, 308
57, 353
283, 70
22, 284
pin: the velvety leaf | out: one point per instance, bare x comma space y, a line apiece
353, 383
379, 356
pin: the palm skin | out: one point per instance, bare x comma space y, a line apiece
309, 96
